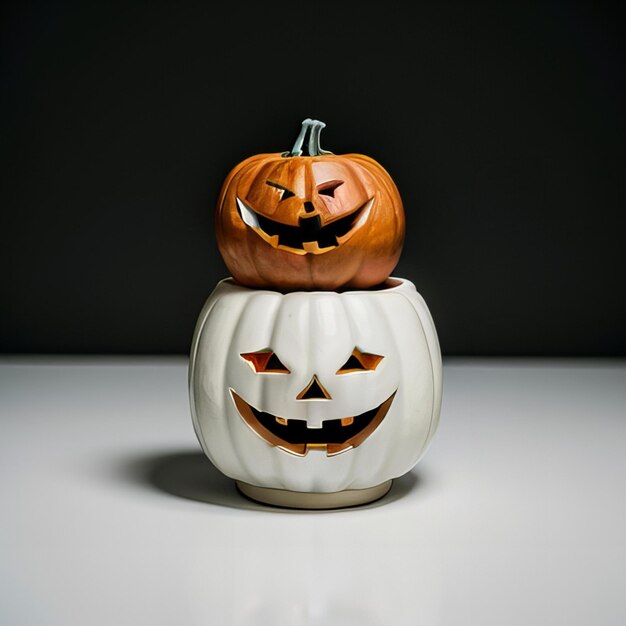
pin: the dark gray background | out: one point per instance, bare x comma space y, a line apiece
503, 126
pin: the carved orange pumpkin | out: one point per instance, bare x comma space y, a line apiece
321, 221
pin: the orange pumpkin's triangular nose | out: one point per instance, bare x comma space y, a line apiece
314, 391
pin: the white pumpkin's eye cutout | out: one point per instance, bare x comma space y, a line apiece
284, 192
265, 362
360, 362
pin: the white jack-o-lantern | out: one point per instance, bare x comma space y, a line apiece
315, 392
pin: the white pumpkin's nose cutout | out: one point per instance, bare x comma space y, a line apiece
314, 391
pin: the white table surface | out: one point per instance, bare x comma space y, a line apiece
112, 516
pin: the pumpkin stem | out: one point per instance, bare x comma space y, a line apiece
314, 139
313, 147
297, 146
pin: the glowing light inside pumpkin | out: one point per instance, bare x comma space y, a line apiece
265, 362
360, 362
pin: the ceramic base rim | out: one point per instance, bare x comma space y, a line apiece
305, 500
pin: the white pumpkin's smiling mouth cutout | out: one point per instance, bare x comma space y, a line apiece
293, 436
309, 237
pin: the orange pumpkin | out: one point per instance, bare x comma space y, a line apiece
316, 222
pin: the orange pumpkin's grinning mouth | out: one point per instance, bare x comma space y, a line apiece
291, 435
309, 236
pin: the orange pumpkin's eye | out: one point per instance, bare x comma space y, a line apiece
360, 362
328, 188
264, 362
285, 193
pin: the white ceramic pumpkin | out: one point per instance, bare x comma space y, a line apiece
315, 392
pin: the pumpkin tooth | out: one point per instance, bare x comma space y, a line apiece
333, 449
247, 215
311, 246
273, 240
281, 420
347, 421
364, 213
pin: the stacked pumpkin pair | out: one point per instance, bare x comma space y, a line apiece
315, 379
